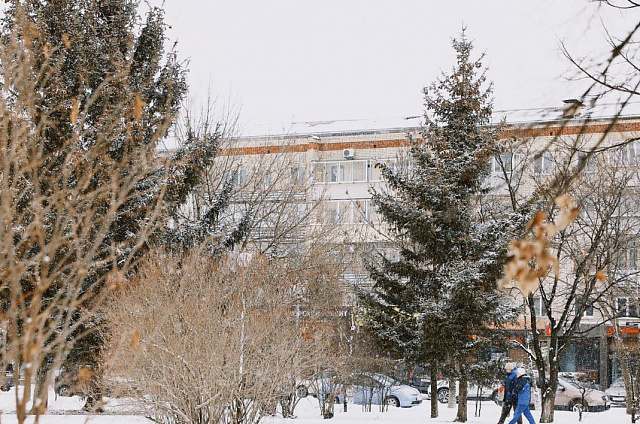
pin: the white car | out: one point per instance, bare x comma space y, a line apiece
363, 388
617, 392
380, 388
572, 396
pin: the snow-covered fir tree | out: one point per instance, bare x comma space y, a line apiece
438, 302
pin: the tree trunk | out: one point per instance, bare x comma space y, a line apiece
93, 389
434, 390
40, 391
548, 402
548, 383
628, 384
344, 397
328, 403
461, 417
285, 406
452, 393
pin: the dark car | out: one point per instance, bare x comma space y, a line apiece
63, 385
7, 381
420, 379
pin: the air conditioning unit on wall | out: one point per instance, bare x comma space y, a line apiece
349, 153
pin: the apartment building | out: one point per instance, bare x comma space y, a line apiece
340, 165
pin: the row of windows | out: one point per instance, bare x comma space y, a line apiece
355, 211
366, 169
543, 162
350, 170
509, 162
625, 307
324, 172
541, 311
240, 175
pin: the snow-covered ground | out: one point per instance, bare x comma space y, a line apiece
65, 410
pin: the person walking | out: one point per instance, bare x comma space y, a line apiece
523, 392
509, 398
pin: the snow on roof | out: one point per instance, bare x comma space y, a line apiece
341, 126
570, 109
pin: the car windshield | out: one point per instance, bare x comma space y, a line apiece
618, 382
571, 383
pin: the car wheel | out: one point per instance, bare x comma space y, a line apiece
443, 395
5, 387
392, 401
576, 405
302, 391
63, 391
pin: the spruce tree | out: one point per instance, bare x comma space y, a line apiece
438, 302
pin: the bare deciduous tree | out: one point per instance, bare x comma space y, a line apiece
70, 178
575, 246
217, 340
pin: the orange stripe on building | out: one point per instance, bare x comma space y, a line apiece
517, 132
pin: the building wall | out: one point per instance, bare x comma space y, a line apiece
346, 200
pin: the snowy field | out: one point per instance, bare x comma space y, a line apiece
65, 410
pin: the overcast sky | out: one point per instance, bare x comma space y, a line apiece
284, 61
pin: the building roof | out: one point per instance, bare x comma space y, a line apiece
569, 110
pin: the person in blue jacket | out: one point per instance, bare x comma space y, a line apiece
523, 392
509, 399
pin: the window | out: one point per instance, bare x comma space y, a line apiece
236, 176
359, 172
543, 163
629, 206
538, 306
373, 216
375, 173
628, 257
506, 162
589, 162
331, 212
342, 171
357, 211
627, 307
585, 309
332, 173
297, 173
629, 154
269, 179
241, 176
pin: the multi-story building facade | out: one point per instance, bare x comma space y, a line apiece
340, 167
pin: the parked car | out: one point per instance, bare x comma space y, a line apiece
617, 392
65, 384
7, 381
569, 396
420, 379
581, 379
317, 385
380, 388
473, 392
